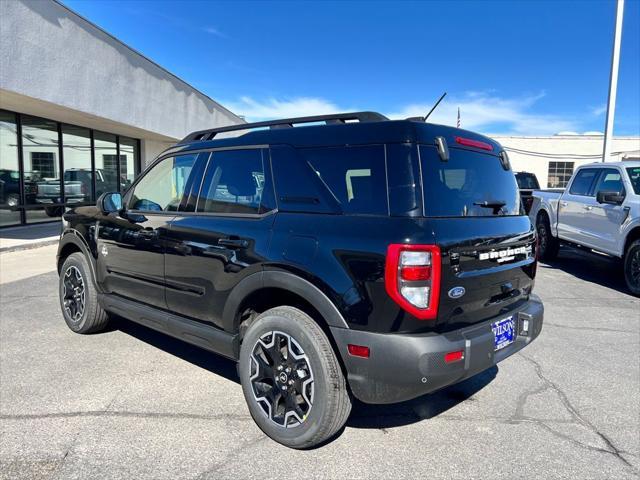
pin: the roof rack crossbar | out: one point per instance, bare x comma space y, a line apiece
332, 119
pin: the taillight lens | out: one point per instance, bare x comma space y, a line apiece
412, 278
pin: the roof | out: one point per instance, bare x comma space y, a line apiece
334, 134
624, 163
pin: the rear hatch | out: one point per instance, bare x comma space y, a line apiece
487, 242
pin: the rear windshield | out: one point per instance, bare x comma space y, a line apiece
469, 184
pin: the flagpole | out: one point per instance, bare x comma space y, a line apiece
613, 81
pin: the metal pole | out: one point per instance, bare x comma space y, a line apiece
613, 81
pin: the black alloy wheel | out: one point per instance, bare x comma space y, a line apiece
73, 293
282, 379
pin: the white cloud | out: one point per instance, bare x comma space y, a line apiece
490, 113
481, 111
597, 111
214, 31
254, 110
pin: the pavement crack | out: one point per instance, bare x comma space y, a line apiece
111, 413
591, 329
548, 384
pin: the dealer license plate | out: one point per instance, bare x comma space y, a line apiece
504, 333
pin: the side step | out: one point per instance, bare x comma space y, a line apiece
196, 333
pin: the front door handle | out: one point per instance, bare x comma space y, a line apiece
588, 207
233, 242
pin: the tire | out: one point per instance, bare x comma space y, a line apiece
76, 288
548, 245
311, 379
632, 267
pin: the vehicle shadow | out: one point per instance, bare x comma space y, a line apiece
601, 270
362, 415
422, 408
211, 362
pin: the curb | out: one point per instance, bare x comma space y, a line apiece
29, 246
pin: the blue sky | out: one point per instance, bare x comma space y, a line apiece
512, 67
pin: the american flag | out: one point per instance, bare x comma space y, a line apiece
458, 123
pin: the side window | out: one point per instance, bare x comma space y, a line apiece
235, 182
356, 176
581, 184
162, 187
610, 181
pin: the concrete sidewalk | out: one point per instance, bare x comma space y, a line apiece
29, 236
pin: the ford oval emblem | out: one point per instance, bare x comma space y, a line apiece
457, 292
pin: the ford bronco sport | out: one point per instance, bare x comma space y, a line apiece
353, 257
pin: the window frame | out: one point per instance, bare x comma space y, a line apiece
564, 168
590, 192
173, 152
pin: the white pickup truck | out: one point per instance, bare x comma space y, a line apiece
598, 211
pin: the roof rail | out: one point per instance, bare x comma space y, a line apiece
336, 118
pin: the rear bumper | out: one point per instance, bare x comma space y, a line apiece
404, 366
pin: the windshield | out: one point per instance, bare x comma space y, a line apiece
527, 181
469, 184
634, 176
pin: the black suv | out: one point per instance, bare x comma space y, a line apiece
354, 256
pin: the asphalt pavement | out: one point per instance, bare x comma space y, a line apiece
132, 403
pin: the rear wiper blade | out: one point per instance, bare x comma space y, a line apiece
496, 205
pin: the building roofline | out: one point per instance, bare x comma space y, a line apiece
577, 137
70, 10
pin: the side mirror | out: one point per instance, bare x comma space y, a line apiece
110, 202
610, 197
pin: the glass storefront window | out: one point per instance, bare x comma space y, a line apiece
40, 156
9, 170
78, 178
54, 163
106, 162
128, 155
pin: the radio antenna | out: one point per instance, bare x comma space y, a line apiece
434, 107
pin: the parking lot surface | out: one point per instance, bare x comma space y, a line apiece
131, 403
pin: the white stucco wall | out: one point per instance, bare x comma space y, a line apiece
55, 63
564, 147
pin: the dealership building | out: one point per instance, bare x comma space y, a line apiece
81, 112
554, 158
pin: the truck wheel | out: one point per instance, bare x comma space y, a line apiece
632, 267
548, 245
291, 379
78, 297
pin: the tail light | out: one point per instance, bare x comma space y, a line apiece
412, 278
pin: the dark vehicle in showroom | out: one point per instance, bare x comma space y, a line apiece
355, 257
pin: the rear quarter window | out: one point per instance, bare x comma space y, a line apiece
355, 176
468, 184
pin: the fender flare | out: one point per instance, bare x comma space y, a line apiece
73, 237
285, 281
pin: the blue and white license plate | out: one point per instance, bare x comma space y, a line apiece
504, 332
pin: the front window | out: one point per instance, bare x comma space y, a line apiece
610, 181
161, 189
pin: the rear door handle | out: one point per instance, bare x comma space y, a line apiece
563, 204
233, 242
588, 207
